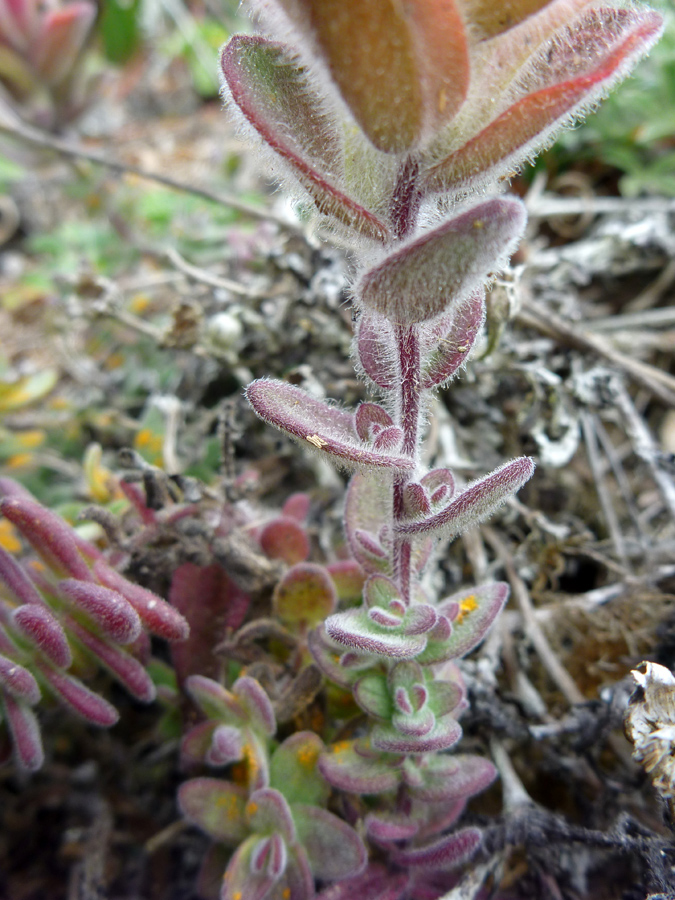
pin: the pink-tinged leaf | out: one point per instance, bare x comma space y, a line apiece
124, 667
268, 811
241, 880
478, 608
73, 694
389, 440
304, 596
18, 681
294, 772
376, 347
226, 746
372, 694
438, 478
41, 627
444, 696
257, 705
413, 724
419, 281
401, 69
415, 500
334, 849
452, 778
284, 539
215, 806
211, 604
353, 628
347, 770
107, 609
215, 701
448, 852
196, 744
476, 502
370, 420
317, 425
48, 534
348, 578
296, 507
268, 857
486, 19
380, 591
277, 98
444, 734
447, 343
25, 732
327, 659
419, 619
17, 22
137, 498
384, 618
389, 827
368, 506
586, 58
16, 581
61, 39
158, 616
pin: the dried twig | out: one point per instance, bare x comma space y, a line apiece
657, 382
608, 511
550, 661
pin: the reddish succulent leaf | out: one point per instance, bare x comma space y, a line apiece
444, 734
16, 581
451, 778
390, 827
447, 344
277, 98
333, 847
347, 770
157, 615
327, 659
124, 667
478, 501
348, 578
488, 19
226, 746
376, 883
304, 596
18, 681
377, 349
71, 692
296, 507
256, 703
353, 628
317, 425
25, 731
211, 604
61, 38
215, 806
447, 852
40, 626
401, 69
478, 608
370, 419
284, 539
531, 122
196, 744
107, 609
241, 880
48, 534
420, 280
215, 701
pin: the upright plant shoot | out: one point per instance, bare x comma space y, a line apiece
390, 118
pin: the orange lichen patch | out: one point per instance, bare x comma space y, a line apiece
237, 895
340, 747
8, 538
308, 756
468, 605
228, 805
286, 893
252, 764
251, 808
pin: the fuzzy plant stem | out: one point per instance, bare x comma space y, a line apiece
407, 341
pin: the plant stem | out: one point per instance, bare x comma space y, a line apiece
407, 341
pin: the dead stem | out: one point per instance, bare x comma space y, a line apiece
550, 661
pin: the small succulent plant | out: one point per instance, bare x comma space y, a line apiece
62, 613
40, 47
389, 118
